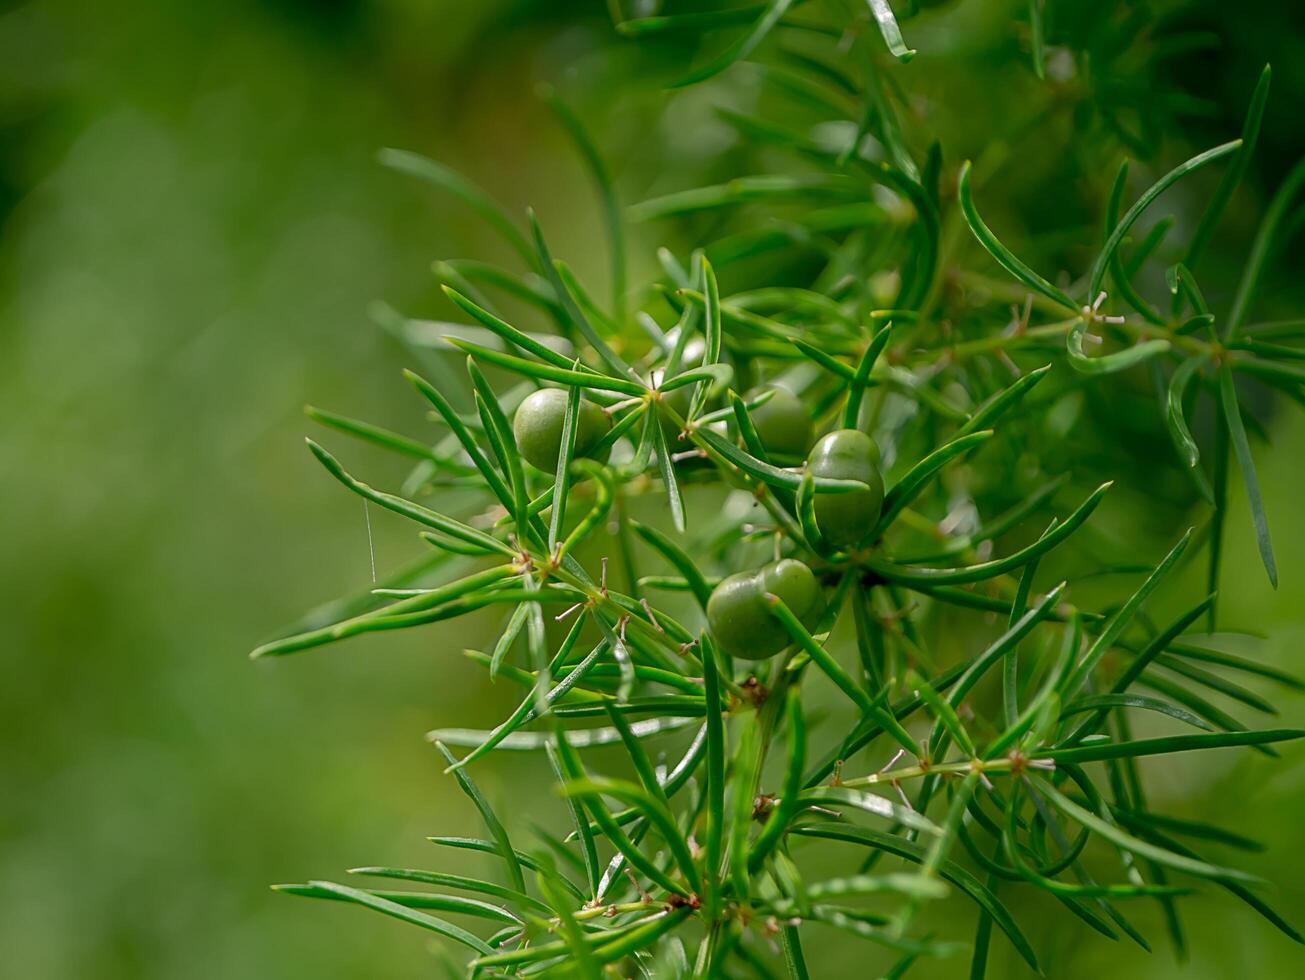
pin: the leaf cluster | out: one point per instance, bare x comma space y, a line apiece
954, 725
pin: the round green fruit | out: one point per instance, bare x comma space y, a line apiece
783, 422
740, 618
539, 422
846, 519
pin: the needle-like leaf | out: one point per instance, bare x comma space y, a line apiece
1004, 256
450, 180
666, 466
887, 21
1148, 197
1232, 417
492, 822
740, 49
391, 908
1132, 844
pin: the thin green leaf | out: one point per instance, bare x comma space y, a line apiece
643, 766
713, 332
995, 652
463, 435
588, 791
791, 943
860, 379
943, 712
450, 180
516, 622
1002, 402
513, 336
1134, 670
1037, 43
666, 466
1098, 751
444, 880
580, 738
1176, 417
1151, 241
604, 495
714, 847
947, 870
562, 476
413, 900
389, 440
1116, 263
645, 802
492, 823
1214, 208
396, 615
547, 372
1132, 844
403, 913
1214, 682
770, 188
644, 934
765, 472
697, 21
715, 375
573, 312
677, 557
1237, 889
491, 847
1187, 828
866, 802
1142, 701
836, 673
527, 710
1148, 197
744, 773
502, 440
900, 495
830, 364
588, 851
912, 576
1120, 621
785, 807
1004, 256
416, 512
583, 961
1108, 363
1232, 414
602, 177
1194, 652
884, 17
740, 49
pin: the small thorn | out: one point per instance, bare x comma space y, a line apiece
567, 612
651, 615
902, 794
893, 761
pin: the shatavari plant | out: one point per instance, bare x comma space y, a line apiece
837, 686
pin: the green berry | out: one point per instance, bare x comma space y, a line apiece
846, 519
783, 422
539, 422
740, 618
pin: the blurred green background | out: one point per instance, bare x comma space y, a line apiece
193, 227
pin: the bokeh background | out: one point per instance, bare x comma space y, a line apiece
193, 228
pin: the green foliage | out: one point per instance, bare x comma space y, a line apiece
886, 374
